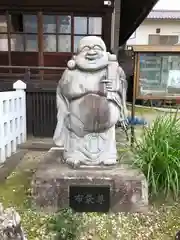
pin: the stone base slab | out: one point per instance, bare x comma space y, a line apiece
53, 179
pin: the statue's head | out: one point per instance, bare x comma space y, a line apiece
91, 54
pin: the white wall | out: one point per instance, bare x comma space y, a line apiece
167, 5
141, 36
12, 119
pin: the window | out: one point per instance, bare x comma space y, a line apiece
163, 39
84, 26
62, 33
3, 33
57, 33
168, 40
159, 74
23, 32
158, 30
153, 39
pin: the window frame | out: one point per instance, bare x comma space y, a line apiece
141, 49
41, 33
72, 33
42, 55
159, 38
24, 33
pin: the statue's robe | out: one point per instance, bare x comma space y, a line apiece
87, 114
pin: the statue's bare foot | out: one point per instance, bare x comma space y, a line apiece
73, 162
109, 162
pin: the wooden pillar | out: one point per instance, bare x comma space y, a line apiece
107, 18
40, 43
9, 39
116, 26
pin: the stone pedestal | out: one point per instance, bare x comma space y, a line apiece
54, 184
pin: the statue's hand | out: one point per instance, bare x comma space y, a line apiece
109, 85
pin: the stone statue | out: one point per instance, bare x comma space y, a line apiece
10, 225
91, 99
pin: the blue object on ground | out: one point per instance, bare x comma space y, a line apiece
136, 121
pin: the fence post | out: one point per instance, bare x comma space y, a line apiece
20, 87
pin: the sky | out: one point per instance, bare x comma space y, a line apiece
168, 5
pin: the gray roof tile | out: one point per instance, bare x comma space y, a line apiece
164, 14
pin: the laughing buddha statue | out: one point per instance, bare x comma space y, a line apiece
91, 99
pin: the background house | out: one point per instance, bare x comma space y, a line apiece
161, 27
38, 37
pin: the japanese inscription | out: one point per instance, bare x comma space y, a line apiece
89, 198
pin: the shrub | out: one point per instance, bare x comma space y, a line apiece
158, 155
66, 224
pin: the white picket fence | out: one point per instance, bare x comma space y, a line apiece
12, 119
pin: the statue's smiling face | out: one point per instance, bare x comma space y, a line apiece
92, 54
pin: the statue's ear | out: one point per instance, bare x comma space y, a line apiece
112, 57
71, 63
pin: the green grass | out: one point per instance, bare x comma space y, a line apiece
157, 224
158, 155
160, 223
15, 192
16, 189
142, 110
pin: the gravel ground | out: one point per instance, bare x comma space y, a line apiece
160, 223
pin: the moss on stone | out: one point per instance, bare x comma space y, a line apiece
15, 189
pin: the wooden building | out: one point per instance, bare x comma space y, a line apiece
38, 37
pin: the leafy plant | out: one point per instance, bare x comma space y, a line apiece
66, 224
158, 155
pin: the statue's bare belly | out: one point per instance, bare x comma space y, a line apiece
92, 113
